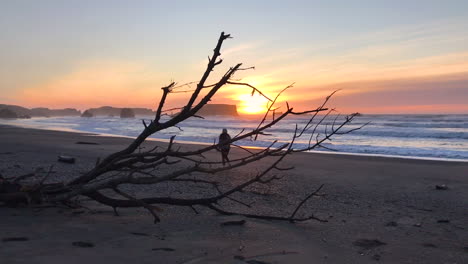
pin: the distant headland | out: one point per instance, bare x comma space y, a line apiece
15, 111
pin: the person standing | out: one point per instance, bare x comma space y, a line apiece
224, 145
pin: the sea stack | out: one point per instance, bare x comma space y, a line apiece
87, 113
7, 113
218, 109
127, 113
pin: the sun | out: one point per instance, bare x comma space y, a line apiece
251, 105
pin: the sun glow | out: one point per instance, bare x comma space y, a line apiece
250, 105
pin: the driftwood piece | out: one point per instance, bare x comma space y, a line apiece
14, 239
368, 243
163, 249
441, 187
83, 244
66, 159
233, 223
86, 143
134, 166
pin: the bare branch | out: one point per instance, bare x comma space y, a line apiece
254, 89
302, 203
166, 90
134, 165
150, 208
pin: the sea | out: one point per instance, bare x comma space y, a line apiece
439, 137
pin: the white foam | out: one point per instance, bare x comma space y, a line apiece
436, 137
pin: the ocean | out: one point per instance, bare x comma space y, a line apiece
415, 136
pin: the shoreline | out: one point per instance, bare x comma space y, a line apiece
387, 156
392, 201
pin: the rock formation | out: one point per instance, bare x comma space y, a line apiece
218, 109
18, 110
127, 113
7, 113
23, 112
87, 113
115, 111
41, 111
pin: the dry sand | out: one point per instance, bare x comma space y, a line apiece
389, 200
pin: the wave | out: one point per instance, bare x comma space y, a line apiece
382, 133
405, 135
434, 152
402, 151
463, 124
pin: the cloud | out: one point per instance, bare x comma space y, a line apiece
241, 48
428, 49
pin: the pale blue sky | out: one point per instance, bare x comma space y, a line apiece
45, 40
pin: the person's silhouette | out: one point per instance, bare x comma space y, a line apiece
224, 145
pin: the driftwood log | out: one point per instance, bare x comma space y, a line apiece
131, 166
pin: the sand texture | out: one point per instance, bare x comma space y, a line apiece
379, 210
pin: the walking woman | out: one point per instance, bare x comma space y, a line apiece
224, 146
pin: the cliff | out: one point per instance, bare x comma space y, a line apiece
7, 113
86, 114
115, 111
207, 110
218, 109
127, 113
40, 111
18, 110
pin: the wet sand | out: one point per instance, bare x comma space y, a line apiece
384, 210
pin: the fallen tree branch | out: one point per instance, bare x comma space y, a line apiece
134, 165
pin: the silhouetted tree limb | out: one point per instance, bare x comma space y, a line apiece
131, 166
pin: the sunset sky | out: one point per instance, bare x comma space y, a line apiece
385, 56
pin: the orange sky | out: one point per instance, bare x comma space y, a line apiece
99, 55
411, 90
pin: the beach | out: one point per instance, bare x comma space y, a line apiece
384, 210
